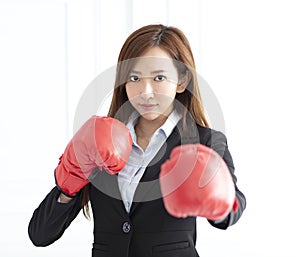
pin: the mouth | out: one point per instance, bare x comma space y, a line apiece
148, 107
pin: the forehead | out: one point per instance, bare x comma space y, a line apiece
152, 64
153, 59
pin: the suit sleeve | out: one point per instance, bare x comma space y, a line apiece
51, 218
218, 142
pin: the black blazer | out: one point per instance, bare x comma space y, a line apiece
148, 230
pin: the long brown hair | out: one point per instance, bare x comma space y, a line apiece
174, 42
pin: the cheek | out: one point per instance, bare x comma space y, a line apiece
169, 91
165, 100
131, 92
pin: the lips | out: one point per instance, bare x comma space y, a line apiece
147, 107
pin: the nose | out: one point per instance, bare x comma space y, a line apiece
147, 90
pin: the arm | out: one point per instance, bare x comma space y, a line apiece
101, 143
51, 218
218, 142
196, 181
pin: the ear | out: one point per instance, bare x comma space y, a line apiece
183, 82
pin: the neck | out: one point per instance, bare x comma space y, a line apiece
146, 128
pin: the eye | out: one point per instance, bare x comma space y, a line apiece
134, 78
160, 78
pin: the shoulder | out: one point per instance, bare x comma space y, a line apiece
192, 133
209, 136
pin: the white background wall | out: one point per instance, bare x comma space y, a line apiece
247, 51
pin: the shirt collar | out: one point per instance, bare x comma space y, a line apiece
166, 128
170, 123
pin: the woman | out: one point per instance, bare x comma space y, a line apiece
149, 180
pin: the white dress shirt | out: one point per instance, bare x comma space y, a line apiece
139, 159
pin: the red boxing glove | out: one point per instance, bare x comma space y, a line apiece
195, 181
102, 142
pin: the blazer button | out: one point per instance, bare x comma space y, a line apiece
126, 227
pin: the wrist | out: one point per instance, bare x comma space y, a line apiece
64, 199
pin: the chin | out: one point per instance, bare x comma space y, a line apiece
152, 115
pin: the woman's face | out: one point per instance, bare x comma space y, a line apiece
153, 83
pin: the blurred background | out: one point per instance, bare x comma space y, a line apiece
247, 51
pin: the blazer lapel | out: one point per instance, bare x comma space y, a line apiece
148, 188
108, 184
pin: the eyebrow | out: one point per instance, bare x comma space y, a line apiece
152, 72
